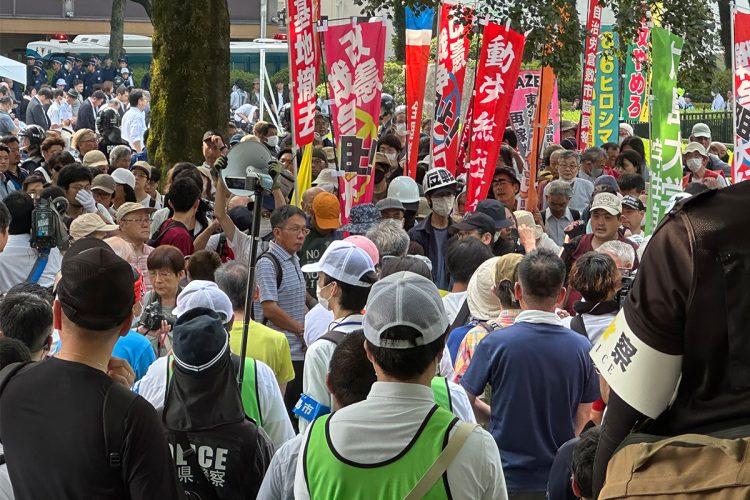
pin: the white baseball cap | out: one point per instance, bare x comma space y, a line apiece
343, 261
201, 293
404, 299
124, 176
608, 202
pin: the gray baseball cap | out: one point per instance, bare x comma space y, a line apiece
404, 299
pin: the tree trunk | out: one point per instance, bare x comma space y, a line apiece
725, 21
399, 30
116, 29
190, 78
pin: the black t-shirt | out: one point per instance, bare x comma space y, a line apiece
52, 430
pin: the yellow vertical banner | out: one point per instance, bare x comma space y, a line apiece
304, 175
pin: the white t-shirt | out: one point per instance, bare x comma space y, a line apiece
452, 303
278, 483
317, 321
276, 421
6, 489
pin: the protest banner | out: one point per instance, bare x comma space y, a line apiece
593, 27
418, 36
666, 148
304, 66
607, 90
499, 63
741, 59
453, 50
522, 109
634, 105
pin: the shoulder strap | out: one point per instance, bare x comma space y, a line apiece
334, 336
576, 214
188, 453
462, 317
117, 403
276, 266
159, 234
577, 325
446, 457
543, 213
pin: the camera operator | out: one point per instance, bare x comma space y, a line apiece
166, 267
19, 259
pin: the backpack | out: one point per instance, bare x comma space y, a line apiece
689, 466
117, 403
159, 234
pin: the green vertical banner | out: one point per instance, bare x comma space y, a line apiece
666, 151
606, 117
635, 81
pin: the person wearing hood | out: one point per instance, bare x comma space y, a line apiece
261, 396
108, 124
218, 451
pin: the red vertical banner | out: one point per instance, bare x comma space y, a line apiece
355, 58
499, 64
304, 64
593, 28
418, 36
741, 105
453, 51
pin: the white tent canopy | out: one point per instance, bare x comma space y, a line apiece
13, 69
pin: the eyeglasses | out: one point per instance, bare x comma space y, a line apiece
297, 229
147, 220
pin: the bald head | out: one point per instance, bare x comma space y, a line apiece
238, 201
308, 197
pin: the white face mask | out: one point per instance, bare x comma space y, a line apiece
273, 141
391, 156
443, 205
401, 128
694, 164
322, 300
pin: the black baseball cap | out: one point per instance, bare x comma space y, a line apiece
475, 220
633, 202
96, 287
496, 211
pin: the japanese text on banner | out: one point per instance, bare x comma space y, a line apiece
666, 148
589, 71
741, 169
304, 68
497, 72
355, 56
522, 111
453, 50
634, 105
607, 96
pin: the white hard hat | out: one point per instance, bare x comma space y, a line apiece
438, 178
404, 189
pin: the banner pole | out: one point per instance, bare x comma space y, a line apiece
732, 17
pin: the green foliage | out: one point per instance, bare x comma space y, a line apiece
569, 85
186, 102
700, 87
236, 74
394, 81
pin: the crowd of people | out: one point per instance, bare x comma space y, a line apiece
419, 350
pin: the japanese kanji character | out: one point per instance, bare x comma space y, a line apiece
492, 88
184, 474
483, 127
367, 82
589, 75
302, 15
305, 82
643, 36
352, 45
443, 43
217, 478
346, 117
743, 123
340, 81
441, 78
742, 54
306, 121
458, 55
304, 48
352, 153
500, 53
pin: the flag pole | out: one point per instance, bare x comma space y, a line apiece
732, 16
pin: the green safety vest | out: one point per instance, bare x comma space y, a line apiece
328, 476
249, 392
442, 393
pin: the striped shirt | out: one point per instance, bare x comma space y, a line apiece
290, 295
474, 336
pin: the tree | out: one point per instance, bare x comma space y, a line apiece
116, 29
725, 21
190, 75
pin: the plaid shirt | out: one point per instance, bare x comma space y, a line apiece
475, 335
139, 262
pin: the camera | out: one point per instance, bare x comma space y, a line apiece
152, 317
47, 228
627, 285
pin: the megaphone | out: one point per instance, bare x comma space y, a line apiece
247, 169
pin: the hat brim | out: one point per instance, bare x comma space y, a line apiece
609, 210
311, 268
100, 163
327, 223
448, 188
102, 188
701, 134
503, 224
462, 226
632, 207
359, 228
142, 169
108, 228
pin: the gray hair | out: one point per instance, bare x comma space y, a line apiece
593, 154
389, 238
620, 251
231, 278
119, 152
570, 154
560, 188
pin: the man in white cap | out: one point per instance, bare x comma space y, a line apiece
382, 447
702, 133
261, 396
697, 160
345, 274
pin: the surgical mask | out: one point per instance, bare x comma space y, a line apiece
694, 164
443, 206
401, 128
322, 300
273, 141
391, 156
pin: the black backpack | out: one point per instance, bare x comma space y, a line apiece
159, 234
117, 403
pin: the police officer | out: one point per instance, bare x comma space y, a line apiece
31, 57
108, 124
92, 77
61, 72
39, 75
77, 72
109, 71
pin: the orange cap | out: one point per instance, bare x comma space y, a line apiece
326, 209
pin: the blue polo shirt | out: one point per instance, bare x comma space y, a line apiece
539, 373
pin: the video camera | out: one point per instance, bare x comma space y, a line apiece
47, 228
153, 316
627, 285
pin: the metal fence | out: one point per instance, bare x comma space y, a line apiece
720, 122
